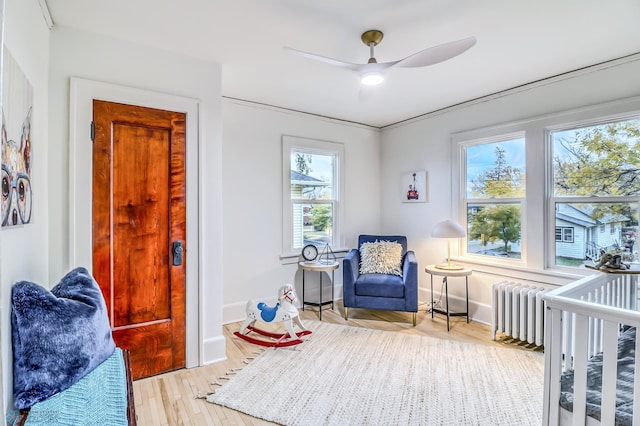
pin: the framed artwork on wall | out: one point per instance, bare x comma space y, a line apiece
17, 105
414, 187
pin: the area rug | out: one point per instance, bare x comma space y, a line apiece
345, 375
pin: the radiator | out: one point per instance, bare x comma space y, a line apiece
518, 312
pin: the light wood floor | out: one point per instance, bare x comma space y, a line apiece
170, 399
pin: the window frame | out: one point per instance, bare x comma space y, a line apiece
596, 119
318, 147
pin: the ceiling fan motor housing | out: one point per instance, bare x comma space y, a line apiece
372, 36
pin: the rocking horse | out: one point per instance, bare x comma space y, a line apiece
283, 311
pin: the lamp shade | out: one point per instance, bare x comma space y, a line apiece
448, 229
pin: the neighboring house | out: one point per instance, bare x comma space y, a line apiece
579, 236
302, 188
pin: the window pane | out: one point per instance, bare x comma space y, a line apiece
601, 160
494, 230
312, 176
496, 170
312, 224
586, 242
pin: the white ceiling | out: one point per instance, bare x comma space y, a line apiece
518, 41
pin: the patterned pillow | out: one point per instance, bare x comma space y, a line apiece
381, 257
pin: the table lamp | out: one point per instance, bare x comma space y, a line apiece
448, 229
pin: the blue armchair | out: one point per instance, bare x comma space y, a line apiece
380, 290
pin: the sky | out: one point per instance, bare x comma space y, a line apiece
321, 166
483, 156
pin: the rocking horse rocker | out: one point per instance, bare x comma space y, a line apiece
283, 311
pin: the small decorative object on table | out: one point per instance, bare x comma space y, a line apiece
309, 252
611, 260
327, 257
283, 311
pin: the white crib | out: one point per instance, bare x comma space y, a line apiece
583, 319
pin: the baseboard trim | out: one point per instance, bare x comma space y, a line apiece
214, 350
478, 312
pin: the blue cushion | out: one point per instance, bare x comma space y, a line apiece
379, 285
58, 336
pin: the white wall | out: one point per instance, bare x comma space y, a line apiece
426, 144
126, 65
252, 202
24, 249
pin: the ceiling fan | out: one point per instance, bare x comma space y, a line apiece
372, 72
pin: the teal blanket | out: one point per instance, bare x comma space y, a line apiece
99, 398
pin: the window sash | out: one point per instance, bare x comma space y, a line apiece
468, 202
325, 236
474, 206
293, 228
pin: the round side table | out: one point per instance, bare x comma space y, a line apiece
446, 273
320, 268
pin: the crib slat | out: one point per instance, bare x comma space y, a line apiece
580, 368
609, 372
568, 341
636, 385
552, 365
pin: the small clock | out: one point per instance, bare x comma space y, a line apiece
309, 252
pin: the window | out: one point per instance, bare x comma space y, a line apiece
596, 185
551, 192
494, 193
311, 193
564, 234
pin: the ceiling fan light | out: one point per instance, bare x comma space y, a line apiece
372, 78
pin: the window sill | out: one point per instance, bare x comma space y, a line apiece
516, 270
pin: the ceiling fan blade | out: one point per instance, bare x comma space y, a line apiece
324, 59
433, 55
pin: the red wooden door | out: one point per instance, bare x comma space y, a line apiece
138, 217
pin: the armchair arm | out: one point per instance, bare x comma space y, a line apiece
350, 273
410, 278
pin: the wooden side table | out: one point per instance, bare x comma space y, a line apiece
446, 273
321, 268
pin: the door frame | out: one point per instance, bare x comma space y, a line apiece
82, 93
